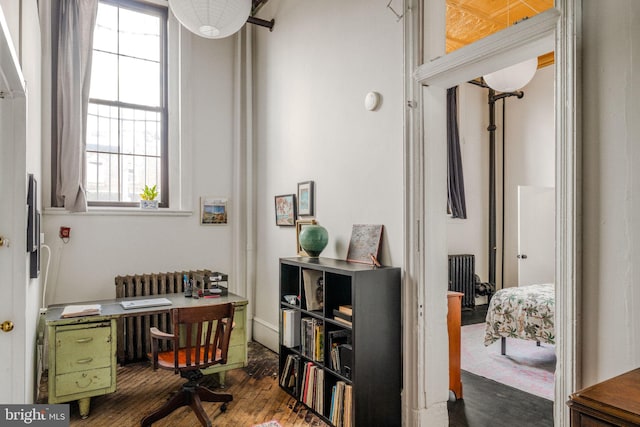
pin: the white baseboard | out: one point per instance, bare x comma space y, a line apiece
266, 334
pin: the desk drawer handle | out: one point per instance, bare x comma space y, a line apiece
84, 340
83, 361
84, 386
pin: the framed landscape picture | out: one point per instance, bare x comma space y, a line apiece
286, 210
305, 198
213, 211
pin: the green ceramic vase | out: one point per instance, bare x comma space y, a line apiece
313, 239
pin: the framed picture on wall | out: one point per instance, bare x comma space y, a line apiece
285, 210
213, 211
305, 198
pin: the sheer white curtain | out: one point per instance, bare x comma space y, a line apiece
72, 25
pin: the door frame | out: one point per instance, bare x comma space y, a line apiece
14, 226
425, 183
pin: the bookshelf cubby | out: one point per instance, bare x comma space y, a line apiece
364, 367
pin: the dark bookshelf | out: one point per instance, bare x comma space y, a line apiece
371, 344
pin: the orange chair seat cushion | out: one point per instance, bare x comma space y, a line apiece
166, 358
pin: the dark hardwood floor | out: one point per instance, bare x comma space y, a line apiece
487, 403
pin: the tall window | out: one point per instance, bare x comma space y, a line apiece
127, 116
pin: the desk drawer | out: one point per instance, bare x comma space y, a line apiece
82, 382
83, 349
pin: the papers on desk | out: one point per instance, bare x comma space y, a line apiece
81, 310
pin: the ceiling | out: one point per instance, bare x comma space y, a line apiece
471, 20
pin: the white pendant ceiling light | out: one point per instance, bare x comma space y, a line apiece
213, 19
515, 77
512, 78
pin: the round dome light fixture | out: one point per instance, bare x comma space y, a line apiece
512, 78
212, 19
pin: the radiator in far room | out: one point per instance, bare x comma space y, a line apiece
462, 277
133, 332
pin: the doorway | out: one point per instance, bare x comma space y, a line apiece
555, 29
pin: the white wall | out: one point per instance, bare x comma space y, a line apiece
530, 155
610, 191
311, 77
104, 245
530, 160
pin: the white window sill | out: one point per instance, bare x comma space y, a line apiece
106, 211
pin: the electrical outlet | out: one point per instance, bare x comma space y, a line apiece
65, 232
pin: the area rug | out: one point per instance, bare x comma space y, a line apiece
526, 366
272, 423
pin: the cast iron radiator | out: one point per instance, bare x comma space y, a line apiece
462, 277
133, 332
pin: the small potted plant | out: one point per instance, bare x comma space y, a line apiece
148, 197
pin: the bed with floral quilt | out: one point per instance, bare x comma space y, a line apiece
524, 312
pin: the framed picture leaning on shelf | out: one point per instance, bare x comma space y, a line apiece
300, 224
286, 210
305, 198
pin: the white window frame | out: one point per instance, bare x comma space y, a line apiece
164, 105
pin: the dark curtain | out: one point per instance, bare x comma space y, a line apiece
455, 180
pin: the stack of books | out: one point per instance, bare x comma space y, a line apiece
341, 404
312, 389
338, 341
289, 378
312, 341
343, 314
290, 327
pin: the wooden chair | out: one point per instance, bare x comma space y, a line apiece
200, 339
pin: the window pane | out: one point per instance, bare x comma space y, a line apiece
139, 81
105, 34
104, 76
152, 132
126, 130
92, 176
92, 128
139, 35
128, 184
124, 138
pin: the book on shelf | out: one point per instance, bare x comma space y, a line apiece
340, 413
289, 378
336, 339
290, 327
348, 399
312, 387
337, 313
312, 340
341, 320
346, 309
81, 310
345, 352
